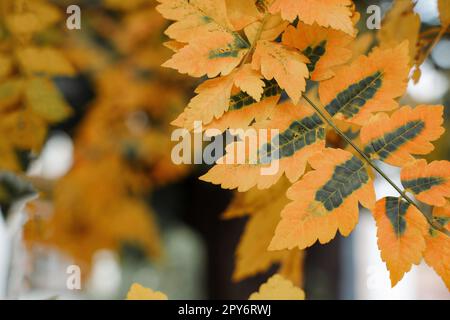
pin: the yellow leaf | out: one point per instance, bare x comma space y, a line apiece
194, 18
249, 81
5, 66
252, 255
324, 200
287, 66
46, 101
35, 60
336, 14
400, 231
268, 29
278, 288
241, 13
10, 93
25, 129
216, 53
138, 292
401, 23
211, 101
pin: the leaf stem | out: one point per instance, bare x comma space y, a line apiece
377, 169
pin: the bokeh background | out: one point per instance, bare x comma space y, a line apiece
110, 198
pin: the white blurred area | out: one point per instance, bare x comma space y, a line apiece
56, 158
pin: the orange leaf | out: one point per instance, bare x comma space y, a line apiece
400, 231
336, 14
325, 48
368, 85
429, 182
287, 66
408, 131
278, 288
437, 252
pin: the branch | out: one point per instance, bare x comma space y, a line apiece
377, 169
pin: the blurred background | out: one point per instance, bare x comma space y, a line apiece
110, 199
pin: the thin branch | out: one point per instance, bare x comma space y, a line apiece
377, 169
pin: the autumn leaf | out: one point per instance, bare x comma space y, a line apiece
268, 28
212, 54
194, 18
10, 93
401, 23
138, 292
408, 131
46, 101
242, 13
400, 230
34, 60
324, 200
215, 97
212, 100
370, 84
444, 12
437, 251
430, 183
278, 288
263, 206
290, 149
283, 64
335, 14
325, 48
244, 110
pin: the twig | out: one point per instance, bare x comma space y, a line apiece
377, 169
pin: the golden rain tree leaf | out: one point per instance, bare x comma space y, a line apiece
267, 29
35, 60
401, 23
194, 18
218, 95
289, 150
255, 200
286, 66
400, 230
25, 129
325, 48
263, 206
46, 101
278, 288
138, 292
211, 101
242, 13
211, 54
250, 82
444, 12
408, 131
324, 200
10, 93
437, 251
243, 109
370, 84
6, 66
36, 16
336, 14
430, 183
